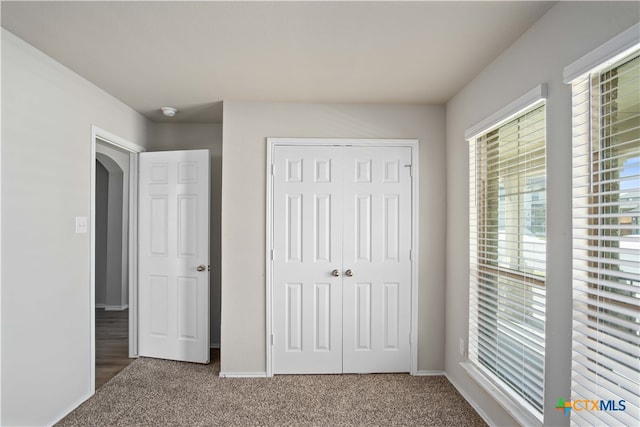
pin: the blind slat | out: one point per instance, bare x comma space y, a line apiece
508, 253
606, 242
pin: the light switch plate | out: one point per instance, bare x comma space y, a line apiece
82, 225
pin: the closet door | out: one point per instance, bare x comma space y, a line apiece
341, 297
376, 258
307, 260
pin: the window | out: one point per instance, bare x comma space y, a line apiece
606, 242
507, 255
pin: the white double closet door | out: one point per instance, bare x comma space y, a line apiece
341, 293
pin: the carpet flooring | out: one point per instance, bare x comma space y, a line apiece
152, 392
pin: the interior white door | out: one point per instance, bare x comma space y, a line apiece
307, 260
376, 259
173, 303
341, 293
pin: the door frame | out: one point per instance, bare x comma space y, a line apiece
272, 143
133, 149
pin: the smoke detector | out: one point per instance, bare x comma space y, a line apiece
169, 111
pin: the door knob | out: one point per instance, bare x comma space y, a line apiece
201, 267
335, 273
349, 273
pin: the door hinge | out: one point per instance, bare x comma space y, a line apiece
410, 254
273, 170
271, 254
271, 339
410, 169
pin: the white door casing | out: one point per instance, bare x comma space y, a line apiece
98, 134
339, 207
174, 255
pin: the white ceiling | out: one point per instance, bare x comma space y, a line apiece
193, 55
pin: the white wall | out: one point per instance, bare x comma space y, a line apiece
245, 129
568, 31
186, 136
47, 113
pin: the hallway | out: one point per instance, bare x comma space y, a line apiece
112, 344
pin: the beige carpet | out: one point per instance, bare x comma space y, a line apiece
152, 392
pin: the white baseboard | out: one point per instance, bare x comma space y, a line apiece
243, 375
472, 402
100, 305
264, 374
214, 345
70, 409
429, 373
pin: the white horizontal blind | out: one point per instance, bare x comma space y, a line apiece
606, 243
507, 255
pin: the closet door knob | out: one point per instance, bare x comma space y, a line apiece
349, 273
335, 273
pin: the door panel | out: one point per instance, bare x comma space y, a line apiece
341, 208
376, 242
322, 317
307, 299
362, 316
391, 312
173, 241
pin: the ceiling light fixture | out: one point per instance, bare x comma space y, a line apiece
169, 111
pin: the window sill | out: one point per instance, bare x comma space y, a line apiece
511, 403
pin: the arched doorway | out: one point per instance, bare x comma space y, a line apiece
111, 262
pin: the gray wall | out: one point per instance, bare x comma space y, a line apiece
114, 241
245, 129
183, 136
117, 162
115, 280
568, 31
102, 206
47, 113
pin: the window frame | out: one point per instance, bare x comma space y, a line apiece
592, 312
510, 400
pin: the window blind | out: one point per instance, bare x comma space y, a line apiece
606, 243
507, 255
